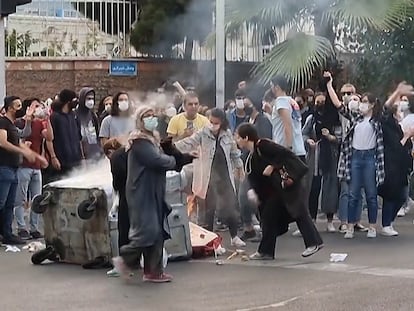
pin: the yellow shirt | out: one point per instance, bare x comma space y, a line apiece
179, 123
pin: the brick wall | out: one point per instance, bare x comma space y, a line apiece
43, 79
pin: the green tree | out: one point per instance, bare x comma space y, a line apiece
303, 52
387, 58
165, 23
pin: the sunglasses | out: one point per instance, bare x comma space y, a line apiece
346, 93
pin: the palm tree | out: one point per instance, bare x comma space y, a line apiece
303, 51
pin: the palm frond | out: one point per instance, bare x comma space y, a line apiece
296, 59
374, 14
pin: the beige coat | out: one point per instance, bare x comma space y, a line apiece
204, 142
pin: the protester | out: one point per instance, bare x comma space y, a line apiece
29, 174
305, 110
164, 119
322, 134
10, 150
118, 157
104, 108
214, 178
242, 112
280, 195
67, 135
264, 129
145, 194
89, 124
397, 159
362, 157
119, 124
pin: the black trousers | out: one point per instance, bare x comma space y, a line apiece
314, 196
152, 257
274, 220
123, 221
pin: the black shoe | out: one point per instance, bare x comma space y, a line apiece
36, 235
247, 235
23, 234
360, 228
13, 240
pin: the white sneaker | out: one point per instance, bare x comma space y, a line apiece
113, 273
236, 241
389, 231
372, 233
349, 234
296, 233
331, 227
401, 212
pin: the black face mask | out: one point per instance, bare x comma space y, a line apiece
20, 113
320, 108
248, 110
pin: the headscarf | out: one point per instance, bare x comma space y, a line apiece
138, 133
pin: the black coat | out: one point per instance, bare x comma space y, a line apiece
397, 159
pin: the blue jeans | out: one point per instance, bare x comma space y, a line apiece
343, 204
8, 187
30, 185
390, 208
363, 176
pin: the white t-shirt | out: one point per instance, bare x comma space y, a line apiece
286, 102
364, 136
116, 126
407, 122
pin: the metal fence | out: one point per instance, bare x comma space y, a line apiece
100, 28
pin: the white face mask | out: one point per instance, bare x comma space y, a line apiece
364, 108
108, 108
404, 105
170, 112
123, 105
353, 105
240, 103
89, 103
39, 113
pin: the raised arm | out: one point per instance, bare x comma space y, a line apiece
332, 94
189, 144
403, 89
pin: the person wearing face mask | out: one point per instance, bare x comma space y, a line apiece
119, 124
322, 134
305, 110
29, 174
362, 157
104, 108
241, 113
397, 158
67, 143
89, 124
214, 178
11, 149
145, 195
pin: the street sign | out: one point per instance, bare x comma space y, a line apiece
124, 68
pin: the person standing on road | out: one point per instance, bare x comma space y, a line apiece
277, 179
145, 194
10, 151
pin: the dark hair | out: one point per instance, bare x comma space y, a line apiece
111, 144
411, 104
248, 130
319, 94
8, 100
221, 115
372, 99
268, 96
115, 105
281, 82
26, 104
301, 96
255, 95
240, 93
227, 104
101, 106
66, 96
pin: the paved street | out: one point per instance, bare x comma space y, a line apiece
377, 275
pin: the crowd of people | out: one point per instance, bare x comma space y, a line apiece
264, 161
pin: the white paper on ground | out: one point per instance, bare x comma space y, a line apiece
338, 257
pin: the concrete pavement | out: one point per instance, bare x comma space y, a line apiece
377, 275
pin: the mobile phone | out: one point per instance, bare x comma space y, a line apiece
190, 125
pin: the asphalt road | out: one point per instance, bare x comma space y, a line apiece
377, 275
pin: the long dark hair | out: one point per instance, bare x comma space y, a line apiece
101, 106
377, 110
115, 105
221, 115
